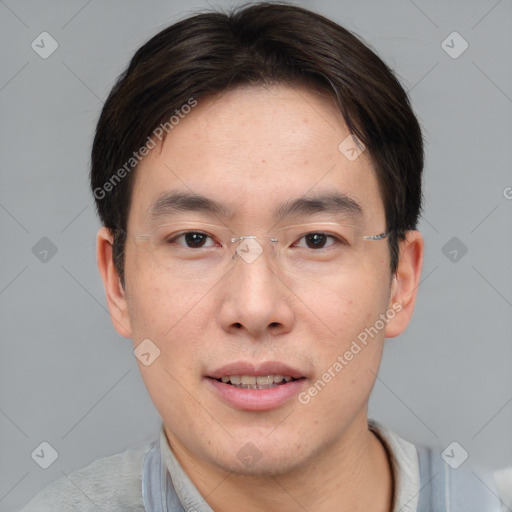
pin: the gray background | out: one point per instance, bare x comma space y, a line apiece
68, 379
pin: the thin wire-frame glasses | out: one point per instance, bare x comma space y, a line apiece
189, 250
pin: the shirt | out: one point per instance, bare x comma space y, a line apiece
127, 481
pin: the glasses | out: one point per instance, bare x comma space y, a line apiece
195, 250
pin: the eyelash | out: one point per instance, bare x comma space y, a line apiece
173, 238
334, 238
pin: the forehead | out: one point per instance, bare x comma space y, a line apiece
252, 148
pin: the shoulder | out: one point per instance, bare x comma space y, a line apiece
450, 480
502, 479
403, 458
432, 478
107, 484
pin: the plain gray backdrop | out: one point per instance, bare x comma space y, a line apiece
68, 379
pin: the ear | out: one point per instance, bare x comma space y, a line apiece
405, 283
116, 297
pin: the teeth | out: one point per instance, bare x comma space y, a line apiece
264, 381
253, 382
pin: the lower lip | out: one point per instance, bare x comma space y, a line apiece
257, 399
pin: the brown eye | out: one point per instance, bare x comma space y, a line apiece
191, 239
194, 239
316, 240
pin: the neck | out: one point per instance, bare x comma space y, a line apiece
352, 475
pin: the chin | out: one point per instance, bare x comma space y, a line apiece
261, 455
266, 466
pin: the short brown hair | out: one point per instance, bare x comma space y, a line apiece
262, 43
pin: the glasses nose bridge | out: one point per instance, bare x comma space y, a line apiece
250, 247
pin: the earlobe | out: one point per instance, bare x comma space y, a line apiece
115, 293
405, 283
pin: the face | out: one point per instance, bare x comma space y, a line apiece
252, 150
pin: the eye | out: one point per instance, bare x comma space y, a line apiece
318, 240
191, 239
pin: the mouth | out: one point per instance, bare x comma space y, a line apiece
256, 387
257, 381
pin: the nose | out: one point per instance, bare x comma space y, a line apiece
254, 297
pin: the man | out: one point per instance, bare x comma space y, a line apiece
258, 177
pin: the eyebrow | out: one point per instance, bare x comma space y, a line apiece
178, 202
332, 202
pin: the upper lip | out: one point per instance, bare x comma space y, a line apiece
260, 369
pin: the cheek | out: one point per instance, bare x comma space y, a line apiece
176, 322
342, 309
348, 344
162, 307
